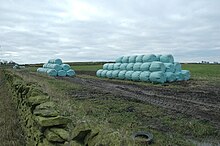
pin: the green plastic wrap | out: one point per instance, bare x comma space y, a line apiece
144, 76
70, 73
54, 66
115, 74
149, 58
177, 67
121, 74
145, 66
45, 65
167, 58
65, 67
52, 72
61, 73
103, 74
42, 70
136, 76
179, 76
158, 77
132, 59
125, 59
55, 61
157, 66
116, 66
186, 74
130, 66
99, 72
109, 74
137, 66
123, 66
105, 66
139, 58
170, 76
158, 57
110, 66
128, 75
119, 60
169, 67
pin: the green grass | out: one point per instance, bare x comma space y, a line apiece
87, 67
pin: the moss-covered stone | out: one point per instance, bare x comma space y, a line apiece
52, 137
46, 112
52, 121
61, 132
36, 100
46, 143
46, 105
72, 143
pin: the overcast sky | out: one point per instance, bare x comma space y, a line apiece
33, 31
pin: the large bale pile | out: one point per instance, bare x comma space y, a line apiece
145, 68
55, 67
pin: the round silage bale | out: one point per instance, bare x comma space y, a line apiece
136, 76
65, 67
144, 76
52, 72
137, 66
45, 65
158, 77
158, 57
42, 70
123, 66
115, 74
105, 66
170, 76
130, 66
139, 58
157, 66
128, 75
186, 74
167, 58
119, 59
149, 58
55, 61
116, 66
103, 74
121, 74
109, 74
61, 73
125, 59
177, 67
98, 73
145, 66
54, 66
179, 76
70, 73
110, 66
132, 59
169, 67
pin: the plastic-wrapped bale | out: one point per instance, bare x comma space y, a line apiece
119, 60
144, 76
179, 76
105, 66
137, 67
115, 74
54, 66
130, 66
42, 70
167, 58
45, 65
55, 61
121, 74
52, 72
169, 67
158, 77
98, 73
136, 76
103, 73
132, 59
123, 66
109, 74
139, 58
110, 66
128, 75
158, 57
186, 74
149, 58
145, 66
177, 67
61, 73
65, 67
125, 59
116, 66
70, 73
157, 66
170, 76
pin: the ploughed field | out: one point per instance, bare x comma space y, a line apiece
180, 113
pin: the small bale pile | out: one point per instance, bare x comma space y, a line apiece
145, 68
55, 67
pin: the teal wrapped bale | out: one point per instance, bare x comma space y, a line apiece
61, 73
177, 67
137, 67
121, 74
139, 58
167, 58
98, 73
123, 66
103, 73
158, 77
65, 67
144, 76
170, 76
128, 75
157, 66
136, 76
186, 74
109, 74
125, 59
110, 66
149, 58
70, 73
52, 72
45, 65
169, 67
145, 66
130, 66
55, 61
42, 70
158, 57
115, 74
119, 60
116, 66
179, 76
54, 66
132, 59
105, 66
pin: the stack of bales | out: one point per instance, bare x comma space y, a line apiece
146, 68
55, 67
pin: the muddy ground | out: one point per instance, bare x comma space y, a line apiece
194, 98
